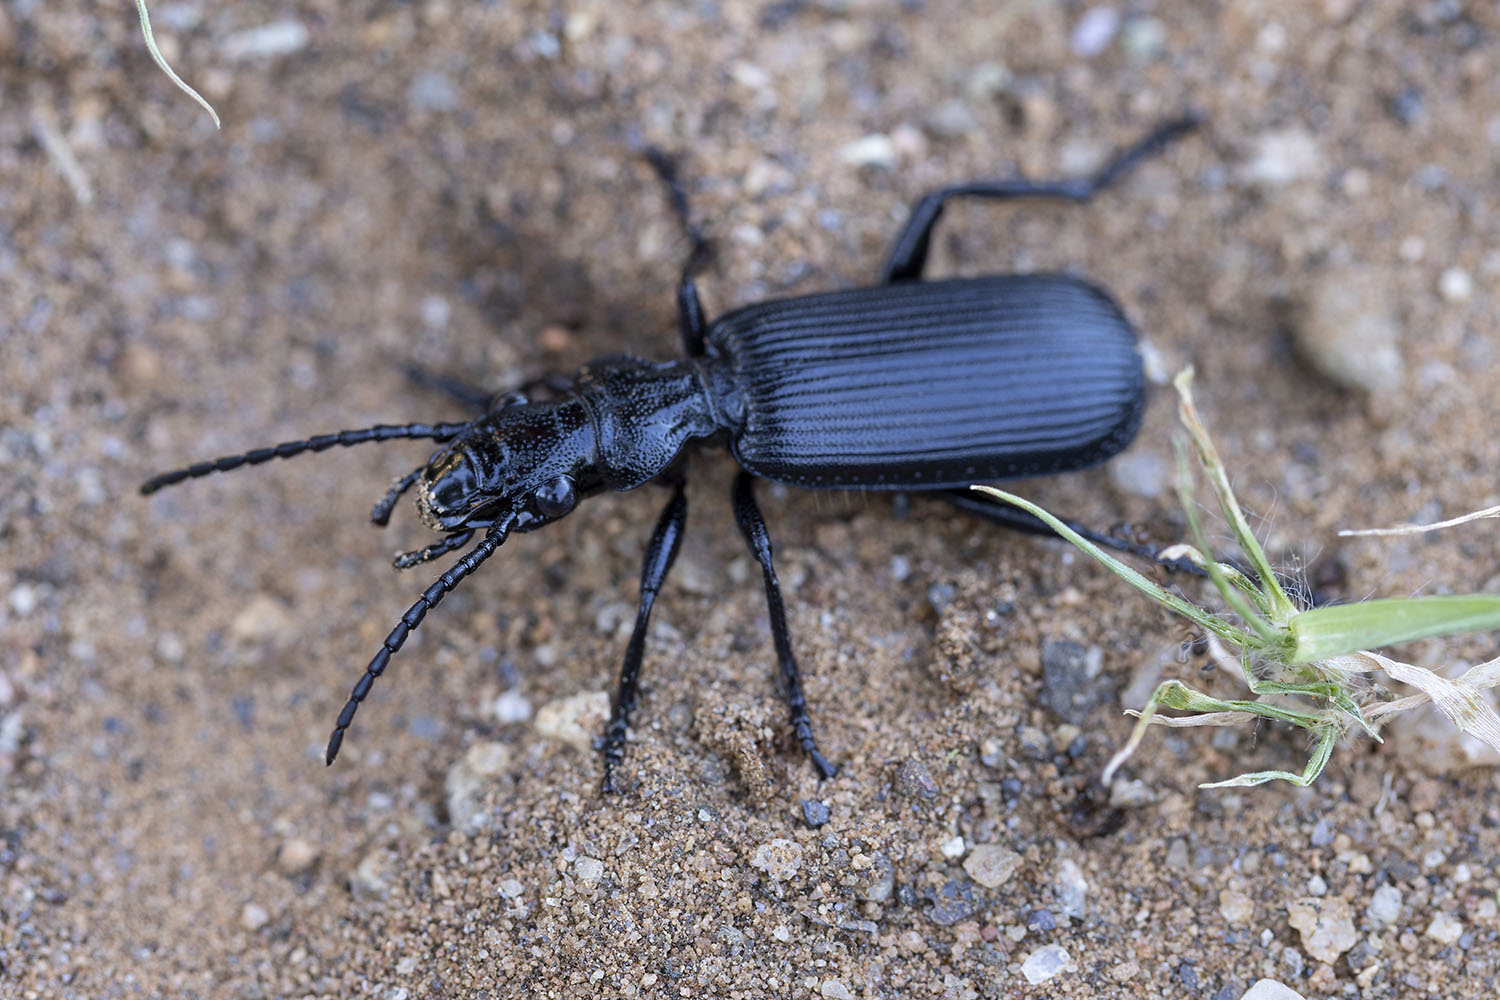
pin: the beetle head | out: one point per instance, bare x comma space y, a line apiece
527, 461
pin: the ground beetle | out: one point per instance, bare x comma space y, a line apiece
908, 385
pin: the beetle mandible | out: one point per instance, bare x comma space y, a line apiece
907, 385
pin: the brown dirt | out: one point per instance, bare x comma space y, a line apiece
459, 185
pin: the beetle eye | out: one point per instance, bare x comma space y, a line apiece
557, 497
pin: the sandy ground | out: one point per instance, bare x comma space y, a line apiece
460, 186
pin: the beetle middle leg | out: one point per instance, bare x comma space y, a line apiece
661, 552
753, 526
908, 254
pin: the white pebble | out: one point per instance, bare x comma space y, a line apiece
1283, 157
834, 989
1044, 963
588, 869
253, 917
574, 719
1094, 31
1072, 889
1455, 285
954, 848
1445, 929
872, 151
778, 858
1270, 989
24, 599
277, 38
1140, 474
512, 706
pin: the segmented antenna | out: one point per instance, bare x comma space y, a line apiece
321, 442
430, 598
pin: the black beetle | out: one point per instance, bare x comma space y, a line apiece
908, 385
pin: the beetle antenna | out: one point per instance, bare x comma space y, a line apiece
380, 514
393, 642
441, 547
320, 442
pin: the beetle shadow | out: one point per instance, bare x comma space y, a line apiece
558, 310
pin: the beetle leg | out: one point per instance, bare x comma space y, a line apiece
661, 552
908, 254
753, 526
460, 391
1020, 520
441, 547
690, 314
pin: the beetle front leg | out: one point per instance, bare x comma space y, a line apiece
908, 254
747, 513
661, 552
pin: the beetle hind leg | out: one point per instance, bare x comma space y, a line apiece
1019, 520
661, 552
753, 526
908, 254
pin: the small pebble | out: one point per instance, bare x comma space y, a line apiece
953, 848
296, 856
277, 38
992, 865
835, 989
574, 719
872, 151
1345, 326
1044, 963
1270, 989
371, 879
1072, 889
1455, 285
512, 706
1071, 685
23, 599
1444, 928
1237, 908
914, 781
1326, 926
588, 869
1041, 920
1140, 473
814, 813
1283, 157
1094, 31
951, 119
253, 917
1143, 39
466, 781
1322, 833
779, 859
